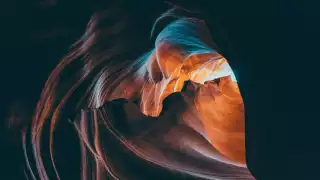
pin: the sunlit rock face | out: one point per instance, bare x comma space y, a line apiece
218, 103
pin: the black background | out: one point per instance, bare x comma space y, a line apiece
272, 47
